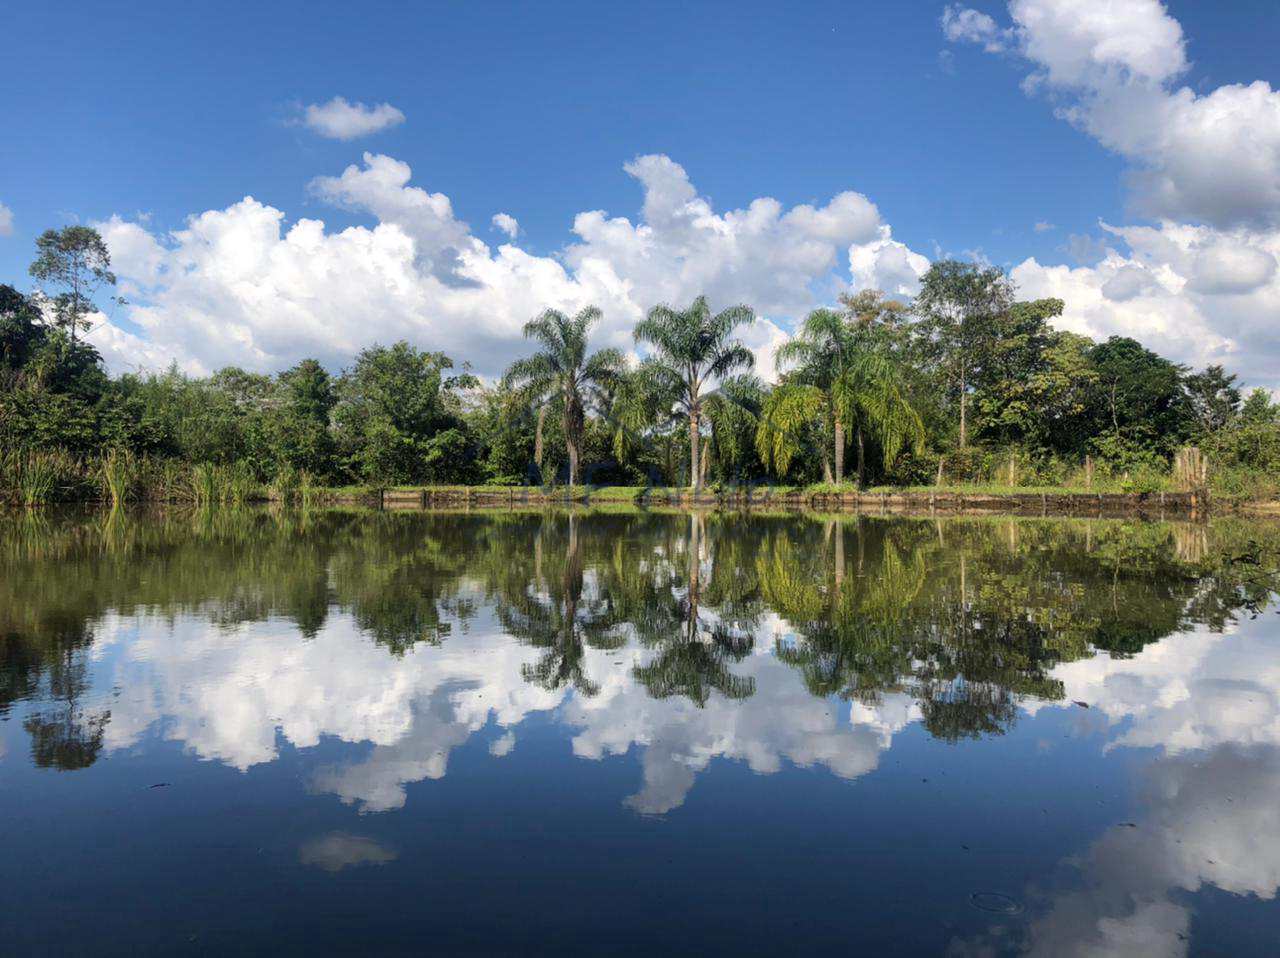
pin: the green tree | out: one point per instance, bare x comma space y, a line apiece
958, 308
73, 262
845, 374
1034, 381
299, 418
504, 426
791, 416
824, 349
563, 373
876, 320
693, 348
1215, 398
21, 333
398, 417
1258, 407
1139, 397
734, 413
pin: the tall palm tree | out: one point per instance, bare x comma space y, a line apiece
846, 380
823, 349
871, 394
789, 412
564, 374
693, 348
734, 413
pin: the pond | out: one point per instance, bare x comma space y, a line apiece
637, 732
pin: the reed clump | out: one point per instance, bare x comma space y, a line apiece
37, 477
285, 486
118, 470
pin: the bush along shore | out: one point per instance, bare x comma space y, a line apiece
959, 394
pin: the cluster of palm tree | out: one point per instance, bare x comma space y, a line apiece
839, 380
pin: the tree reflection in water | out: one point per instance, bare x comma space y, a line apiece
968, 618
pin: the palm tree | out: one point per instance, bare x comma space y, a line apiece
563, 373
871, 394
789, 411
823, 349
844, 379
693, 348
734, 412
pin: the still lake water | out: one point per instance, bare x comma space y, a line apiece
637, 733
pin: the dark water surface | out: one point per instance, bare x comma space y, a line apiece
637, 733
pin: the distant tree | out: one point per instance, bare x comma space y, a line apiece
1022, 390
1139, 395
857, 384
875, 318
633, 406
1259, 408
734, 413
869, 392
75, 264
504, 426
694, 348
791, 416
307, 389
958, 308
563, 373
1215, 398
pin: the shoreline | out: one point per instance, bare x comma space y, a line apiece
905, 502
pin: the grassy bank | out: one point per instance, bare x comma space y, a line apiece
37, 478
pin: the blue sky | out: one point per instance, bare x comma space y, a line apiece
155, 113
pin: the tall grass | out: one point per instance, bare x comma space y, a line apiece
204, 484
119, 472
285, 485
170, 481
308, 491
117, 476
239, 484
35, 478
38, 479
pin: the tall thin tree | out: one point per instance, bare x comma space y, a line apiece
823, 349
75, 263
957, 307
694, 348
563, 373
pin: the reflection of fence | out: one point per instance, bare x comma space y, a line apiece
1190, 469
1190, 543
765, 497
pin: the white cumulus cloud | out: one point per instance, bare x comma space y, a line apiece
506, 223
1200, 284
6, 221
964, 24
244, 285
340, 120
1111, 67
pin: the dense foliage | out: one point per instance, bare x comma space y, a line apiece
964, 384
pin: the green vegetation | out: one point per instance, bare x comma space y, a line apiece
965, 386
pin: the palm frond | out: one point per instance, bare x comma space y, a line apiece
787, 411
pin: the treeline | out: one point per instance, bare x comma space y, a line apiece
963, 384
